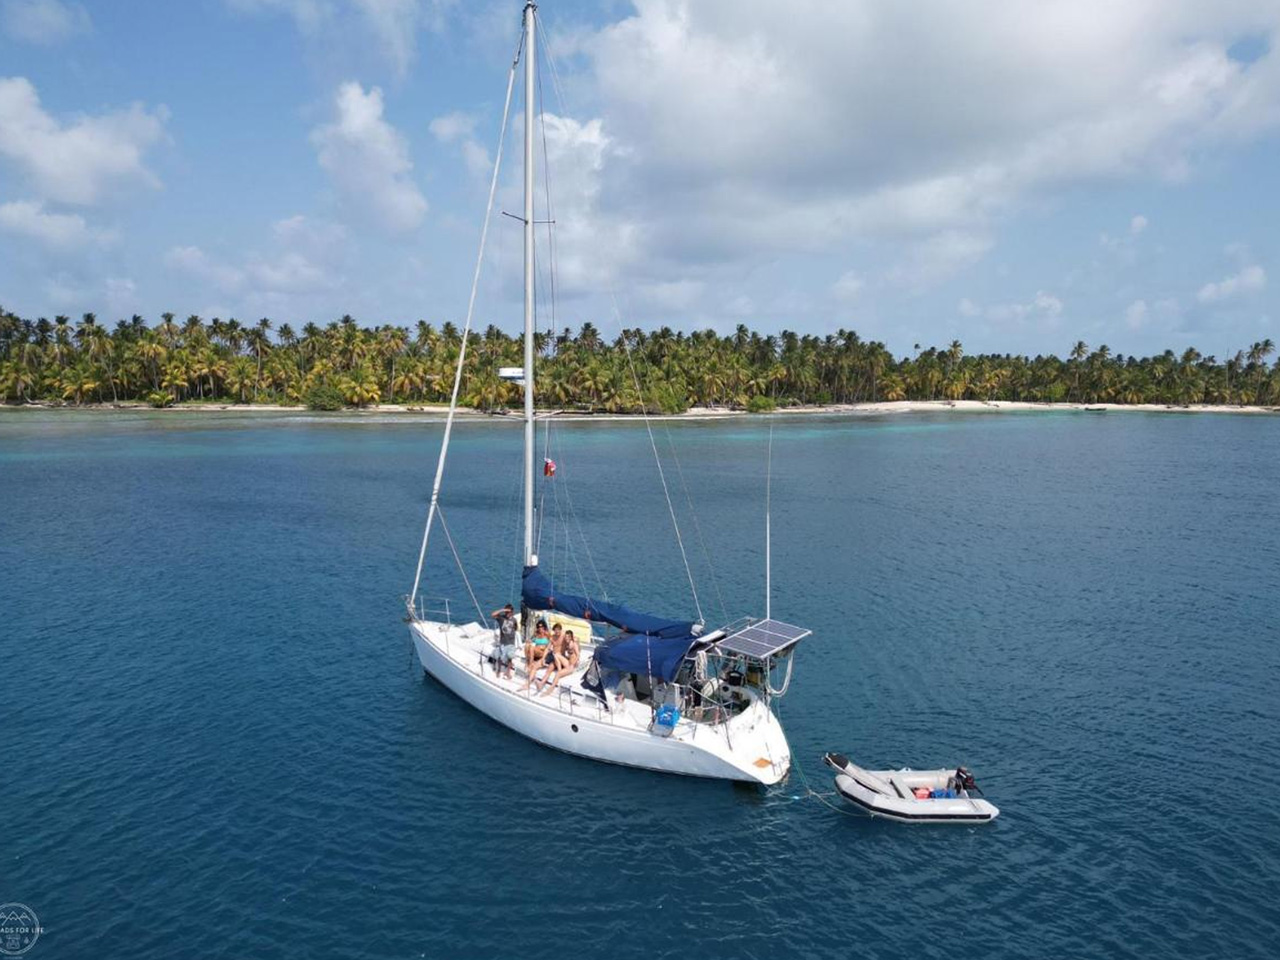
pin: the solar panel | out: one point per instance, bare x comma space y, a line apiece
763, 639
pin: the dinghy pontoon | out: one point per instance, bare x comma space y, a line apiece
912, 796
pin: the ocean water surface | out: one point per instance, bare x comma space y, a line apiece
217, 742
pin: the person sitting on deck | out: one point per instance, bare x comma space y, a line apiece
566, 661
535, 651
506, 620
549, 661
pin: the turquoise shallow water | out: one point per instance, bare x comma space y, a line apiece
217, 743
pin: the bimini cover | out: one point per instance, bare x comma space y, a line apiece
539, 594
647, 656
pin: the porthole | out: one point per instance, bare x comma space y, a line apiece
573, 727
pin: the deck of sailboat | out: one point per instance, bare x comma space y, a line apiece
471, 647
747, 745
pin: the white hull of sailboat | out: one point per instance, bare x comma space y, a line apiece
750, 747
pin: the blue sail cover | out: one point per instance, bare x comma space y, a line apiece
539, 594
647, 656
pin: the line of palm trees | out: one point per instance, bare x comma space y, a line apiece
662, 370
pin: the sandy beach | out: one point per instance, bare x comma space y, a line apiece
694, 413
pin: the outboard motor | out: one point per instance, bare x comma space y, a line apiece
964, 780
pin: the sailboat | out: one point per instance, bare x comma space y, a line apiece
651, 692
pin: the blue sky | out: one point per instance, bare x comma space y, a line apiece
1013, 175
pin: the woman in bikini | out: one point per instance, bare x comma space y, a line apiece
535, 651
563, 663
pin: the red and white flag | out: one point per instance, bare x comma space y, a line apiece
548, 468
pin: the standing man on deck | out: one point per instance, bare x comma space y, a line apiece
506, 620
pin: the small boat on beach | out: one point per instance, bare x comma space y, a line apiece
1095, 409
912, 796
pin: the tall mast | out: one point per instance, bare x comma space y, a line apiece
530, 60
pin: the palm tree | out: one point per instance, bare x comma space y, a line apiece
100, 348
168, 330
16, 380
391, 342
193, 331
240, 377
360, 386
175, 377
259, 340
208, 364
954, 353
78, 382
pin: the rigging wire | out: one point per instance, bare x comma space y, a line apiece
568, 546
552, 261
514, 566
462, 354
546, 182
644, 408
768, 533
445, 527
822, 798
644, 411
586, 546
697, 527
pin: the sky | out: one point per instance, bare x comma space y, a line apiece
1017, 176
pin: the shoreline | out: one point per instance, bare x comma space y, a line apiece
879, 408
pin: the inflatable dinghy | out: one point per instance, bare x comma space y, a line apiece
912, 796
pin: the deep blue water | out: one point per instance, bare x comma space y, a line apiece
217, 744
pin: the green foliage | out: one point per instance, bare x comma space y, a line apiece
1054, 392
159, 399
662, 398
330, 366
761, 404
324, 396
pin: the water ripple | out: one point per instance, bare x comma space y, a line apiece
219, 744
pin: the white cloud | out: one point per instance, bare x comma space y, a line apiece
307, 14
591, 249
675, 295
848, 285
1135, 315
1126, 246
955, 118
59, 231
316, 238
939, 256
43, 22
391, 25
453, 126
1044, 308
290, 272
1248, 280
121, 296
394, 24
76, 162
460, 128
195, 263
303, 266
1044, 305
368, 161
